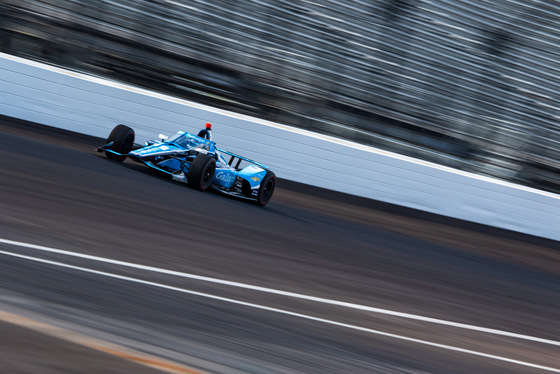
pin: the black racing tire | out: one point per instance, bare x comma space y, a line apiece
266, 189
123, 140
201, 172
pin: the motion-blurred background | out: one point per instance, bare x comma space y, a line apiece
469, 84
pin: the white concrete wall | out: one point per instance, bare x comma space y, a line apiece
55, 97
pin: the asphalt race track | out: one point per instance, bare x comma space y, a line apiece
316, 282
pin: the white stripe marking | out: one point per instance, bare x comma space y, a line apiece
287, 312
286, 293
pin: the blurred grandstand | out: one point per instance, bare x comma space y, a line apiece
469, 84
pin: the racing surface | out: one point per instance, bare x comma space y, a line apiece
315, 282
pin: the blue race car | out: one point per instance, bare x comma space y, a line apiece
195, 160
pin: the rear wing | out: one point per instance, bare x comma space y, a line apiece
234, 158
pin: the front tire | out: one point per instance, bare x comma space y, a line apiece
266, 188
201, 172
123, 140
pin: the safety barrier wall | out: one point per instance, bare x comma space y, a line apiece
47, 95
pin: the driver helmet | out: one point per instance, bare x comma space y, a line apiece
206, 132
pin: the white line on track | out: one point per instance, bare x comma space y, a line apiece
286, 312
285, 293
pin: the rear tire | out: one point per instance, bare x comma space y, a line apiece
266, 188
123, 139
201, 172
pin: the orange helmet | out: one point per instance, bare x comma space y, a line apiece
208, 125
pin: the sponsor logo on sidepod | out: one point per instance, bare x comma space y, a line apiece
227, 178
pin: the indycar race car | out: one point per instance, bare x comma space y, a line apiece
195, 160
